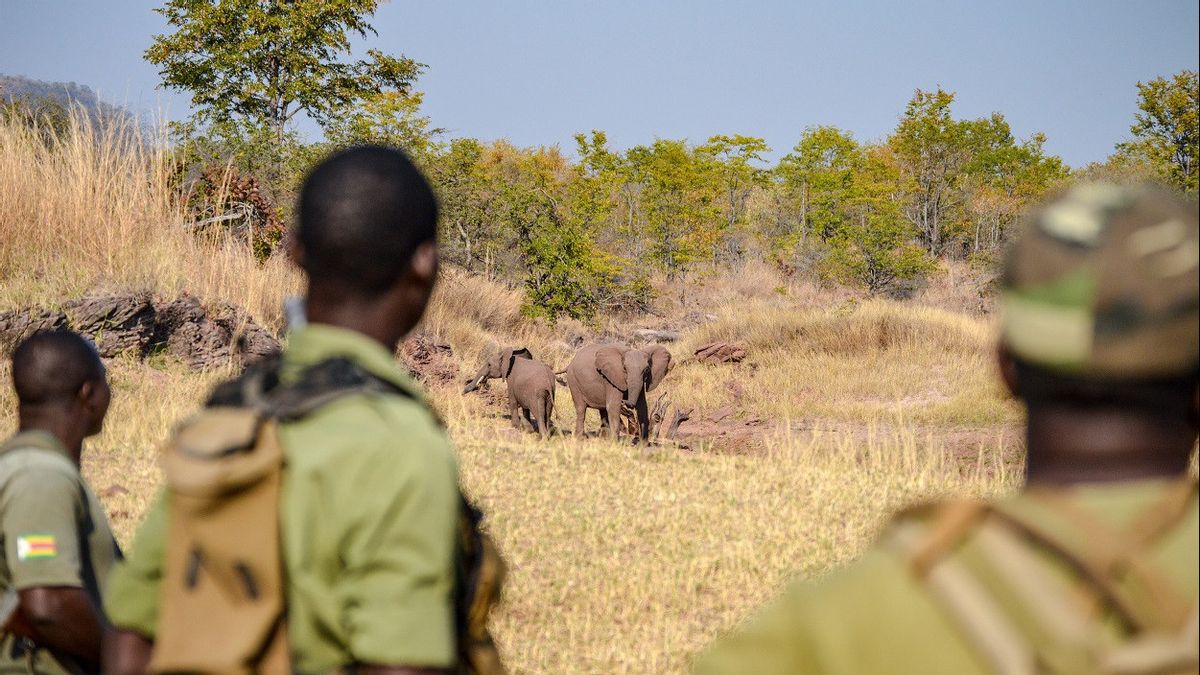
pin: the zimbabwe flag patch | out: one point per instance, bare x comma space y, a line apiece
36, 546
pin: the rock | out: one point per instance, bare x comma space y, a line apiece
136, 324
206, 339
720, 414
652, 335
721, 352
20, 324
118, 324
428, 359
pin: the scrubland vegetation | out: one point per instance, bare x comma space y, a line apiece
623, 559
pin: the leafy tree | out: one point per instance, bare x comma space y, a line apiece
677, 202
735, 159
387, 118
818, 176
932, 151
1166, 131
262, 63
876, 244
465, 191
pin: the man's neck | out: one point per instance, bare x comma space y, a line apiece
60, 427
1067, 446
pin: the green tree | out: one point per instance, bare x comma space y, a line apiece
817, 177
387, 118
677, 194
876, 244
1166, 131
735, 160
932, 151
262, 63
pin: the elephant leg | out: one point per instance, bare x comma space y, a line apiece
529, 418
580, 415
613, 404
543, 415
514, 411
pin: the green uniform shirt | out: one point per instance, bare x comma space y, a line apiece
53, 529
368, 517
874, 616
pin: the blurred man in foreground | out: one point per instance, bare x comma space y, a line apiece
58, 547
1093, 568
312, 520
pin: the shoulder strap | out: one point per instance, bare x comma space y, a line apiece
259, 388
1050, 631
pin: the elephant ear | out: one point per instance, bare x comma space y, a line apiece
510, 356
611, 365
660, 361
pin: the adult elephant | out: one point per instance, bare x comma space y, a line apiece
606, 376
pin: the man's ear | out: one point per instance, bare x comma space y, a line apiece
424, 264
1008, 370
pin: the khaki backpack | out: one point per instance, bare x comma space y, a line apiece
222, 606
1124, 616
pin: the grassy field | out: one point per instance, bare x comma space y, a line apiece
622, 560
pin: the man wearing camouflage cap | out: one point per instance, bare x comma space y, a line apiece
1093, 568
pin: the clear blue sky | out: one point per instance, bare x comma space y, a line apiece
537, 71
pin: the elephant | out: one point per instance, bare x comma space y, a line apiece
605, 377
530, 386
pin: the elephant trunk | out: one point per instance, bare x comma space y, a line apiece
475, 382
635, 394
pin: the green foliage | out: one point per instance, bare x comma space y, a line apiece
386, 118
260, 64
966, 181
875, 244
252, 67
45, 115
1166, 131
677, 204
735, 161
816, 178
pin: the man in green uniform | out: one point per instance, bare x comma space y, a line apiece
1093, 568
370, 485
58, 548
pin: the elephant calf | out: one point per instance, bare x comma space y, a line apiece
530, 386
606, 376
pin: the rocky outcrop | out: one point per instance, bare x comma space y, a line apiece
138, 325
428, 359
721, 352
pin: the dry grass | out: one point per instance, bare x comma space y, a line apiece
97, 210
621, 561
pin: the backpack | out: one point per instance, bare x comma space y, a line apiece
222, 605
1038, 625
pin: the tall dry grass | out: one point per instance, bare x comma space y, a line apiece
96, 209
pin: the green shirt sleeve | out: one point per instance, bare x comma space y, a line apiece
131, 600
41, 507
398, 518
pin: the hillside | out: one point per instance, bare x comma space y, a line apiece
17, 87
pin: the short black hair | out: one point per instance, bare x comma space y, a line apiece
362, 214
50, 367
1166, 396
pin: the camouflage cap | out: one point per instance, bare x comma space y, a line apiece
1103, 282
